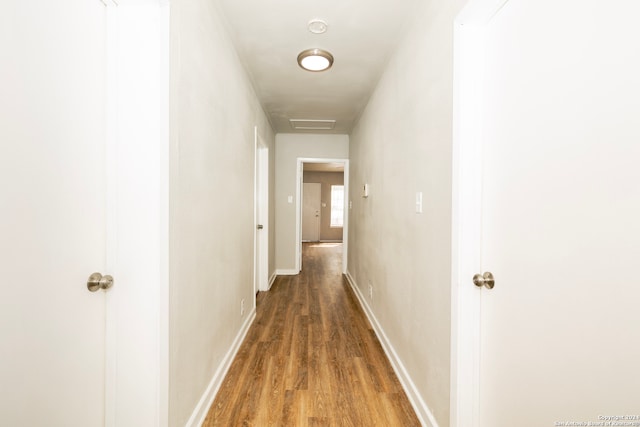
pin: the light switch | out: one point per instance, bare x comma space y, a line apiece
419, 202
290, 199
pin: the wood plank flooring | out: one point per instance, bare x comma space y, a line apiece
311, 358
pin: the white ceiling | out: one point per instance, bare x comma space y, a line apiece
269, 35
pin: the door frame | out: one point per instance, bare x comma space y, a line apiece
466, 227
300, 161
261, 215
137, 153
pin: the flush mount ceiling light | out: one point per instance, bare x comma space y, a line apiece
317, 26
315, 60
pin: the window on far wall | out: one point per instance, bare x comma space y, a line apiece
337, 205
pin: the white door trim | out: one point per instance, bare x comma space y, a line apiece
469, 29
137, 321
345, 227
111, 338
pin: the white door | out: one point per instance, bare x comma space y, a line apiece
311, 199
261, 279
560, 332
52, 212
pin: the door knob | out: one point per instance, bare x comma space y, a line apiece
259, 226
98, 281
485, 280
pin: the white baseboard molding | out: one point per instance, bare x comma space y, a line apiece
202, 408
331, 241
271, 280
422, 410
292, 272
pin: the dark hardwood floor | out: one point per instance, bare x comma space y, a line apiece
311, 358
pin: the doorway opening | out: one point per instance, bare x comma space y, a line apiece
322, 200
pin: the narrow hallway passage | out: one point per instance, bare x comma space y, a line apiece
311, 358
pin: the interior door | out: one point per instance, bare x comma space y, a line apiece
262, 215
311, 200
52, 198
560, 338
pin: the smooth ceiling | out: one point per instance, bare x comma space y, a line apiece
269, 35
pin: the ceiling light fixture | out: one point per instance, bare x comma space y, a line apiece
315, 60
317, 26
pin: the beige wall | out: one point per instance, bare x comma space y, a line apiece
327, 179
213, 113
402, 145
290, 147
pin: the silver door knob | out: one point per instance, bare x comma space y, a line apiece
98, 281
485, 280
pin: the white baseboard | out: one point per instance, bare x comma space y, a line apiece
292, 272
422, 410
271, 280
202, 408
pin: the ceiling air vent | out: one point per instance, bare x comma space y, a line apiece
302, 124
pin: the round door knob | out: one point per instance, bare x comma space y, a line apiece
485, 280
98, 281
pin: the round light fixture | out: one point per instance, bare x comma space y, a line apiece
317, 26
315, 60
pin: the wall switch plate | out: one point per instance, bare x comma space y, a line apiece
419, 202
242, 307
365, 190
290, 199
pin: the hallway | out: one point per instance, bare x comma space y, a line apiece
311, 358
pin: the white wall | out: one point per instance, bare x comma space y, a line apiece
402, 145
213, 113
290, 147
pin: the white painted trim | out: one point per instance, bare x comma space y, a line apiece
345, 220
469, 29
422, 410
330, 241
143, 306
272, 280
111, 338
345, 227
202, 408
164, 184
256, 190
285, 272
